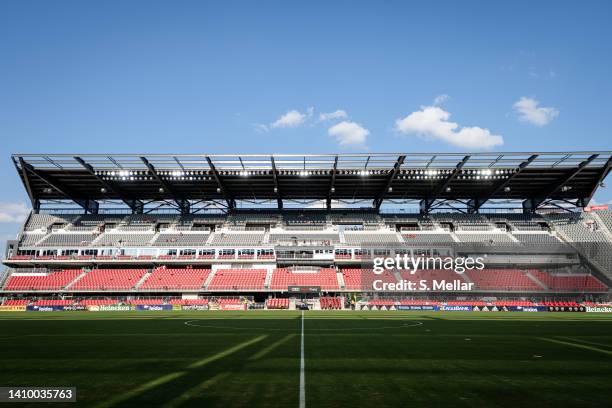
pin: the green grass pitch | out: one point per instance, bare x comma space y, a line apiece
352, 359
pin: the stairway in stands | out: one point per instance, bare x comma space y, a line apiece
75, 280
536, 280
211, 275
143, 279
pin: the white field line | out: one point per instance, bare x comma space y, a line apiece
302, 373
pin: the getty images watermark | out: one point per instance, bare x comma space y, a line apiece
420, 273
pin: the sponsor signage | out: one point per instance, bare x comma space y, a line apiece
232, 306
456, 308
44, 308
566, 309
417, 307
599, 309
13, 308
154, 307
109, 308
194, 307
75, 307
304, 289
528, 308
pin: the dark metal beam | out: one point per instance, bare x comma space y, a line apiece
332, 184
182, 204
26, 182
88, 205
475, 204
602, 176
532, 205
231, 203
279, 196
426, 204
136, 205
396, 168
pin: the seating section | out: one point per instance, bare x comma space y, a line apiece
277, 303
166, 279
109, 279
370, 238
67, 240
502, 280
227, 239
491, 239
16, 302
238, 279
330, 303
363, 279
53, 302
430, 239
51, 281
569, 283
178, 240
124, 240
431, 275
326, 278
536, 238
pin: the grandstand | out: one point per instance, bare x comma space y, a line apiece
108, 229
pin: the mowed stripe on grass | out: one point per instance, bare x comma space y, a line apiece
351, 358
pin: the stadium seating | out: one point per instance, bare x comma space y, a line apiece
51, 281
181, 239
238, 279
16, 302
109, 279
362, 279
325, 278
277, 303
330, 303
569, 283
176, 279
502, 280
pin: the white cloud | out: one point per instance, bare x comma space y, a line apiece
339, 114
440, 99
13, 212
260, 128
349, 133
432, 122
529, 111
292, 118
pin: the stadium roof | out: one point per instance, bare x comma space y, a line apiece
135, 179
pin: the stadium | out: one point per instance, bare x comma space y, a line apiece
262, 265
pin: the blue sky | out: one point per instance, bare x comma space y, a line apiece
217, 77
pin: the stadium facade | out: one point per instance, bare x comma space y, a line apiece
237, 231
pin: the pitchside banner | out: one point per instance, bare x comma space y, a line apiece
599, 309
491, 264
154, 307
12, 308
44, 308
417, 307
109, 308
194, 307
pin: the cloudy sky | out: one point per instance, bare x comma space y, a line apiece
312, 77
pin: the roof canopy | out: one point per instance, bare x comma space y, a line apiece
476, 177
